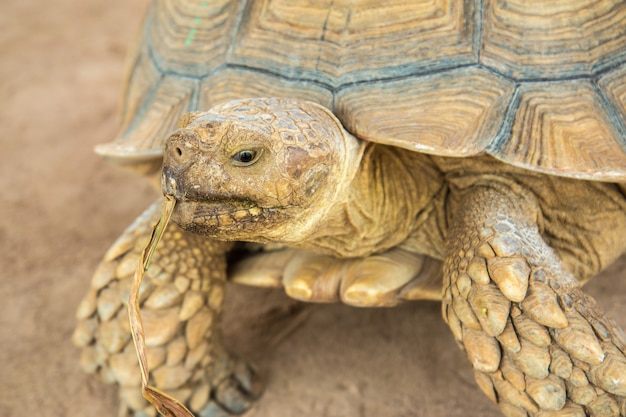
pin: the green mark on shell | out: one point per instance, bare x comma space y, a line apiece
190, 36
193, 31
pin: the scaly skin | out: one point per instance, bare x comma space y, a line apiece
516, 245
538, 344
181, 302
311, 186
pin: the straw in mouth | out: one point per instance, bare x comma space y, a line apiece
165, 404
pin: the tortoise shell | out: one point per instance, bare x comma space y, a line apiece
536, 84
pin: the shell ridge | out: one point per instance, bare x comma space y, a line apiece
323, 35
553, 42
244, 67
143, 108
125, 99
478, 32
506, 125
433, 71
144, 52
611, 112
146, 103
243, 10
536, 136
194, 100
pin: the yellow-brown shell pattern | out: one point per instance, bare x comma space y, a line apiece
536, 84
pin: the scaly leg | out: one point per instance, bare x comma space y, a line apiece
181, 299
538, 344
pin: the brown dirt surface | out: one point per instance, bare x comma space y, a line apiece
61, 207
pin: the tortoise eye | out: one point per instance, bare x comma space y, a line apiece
246, 157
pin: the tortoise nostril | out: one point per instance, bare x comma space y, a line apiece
178, 151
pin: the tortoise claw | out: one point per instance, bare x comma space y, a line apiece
212, 409
238, 392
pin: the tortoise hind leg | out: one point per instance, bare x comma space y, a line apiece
181, 301
538, 344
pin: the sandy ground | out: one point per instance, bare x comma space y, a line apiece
61, 207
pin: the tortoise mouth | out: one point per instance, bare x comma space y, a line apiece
227, 219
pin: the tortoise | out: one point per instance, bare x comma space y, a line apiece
464, 151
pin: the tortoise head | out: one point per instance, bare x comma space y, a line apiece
263, 170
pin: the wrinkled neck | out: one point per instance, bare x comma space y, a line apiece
388, 198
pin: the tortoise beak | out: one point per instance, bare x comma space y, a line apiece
180, 153
169, 185
190, 173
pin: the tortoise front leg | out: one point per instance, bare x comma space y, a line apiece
538, 344
181, 302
